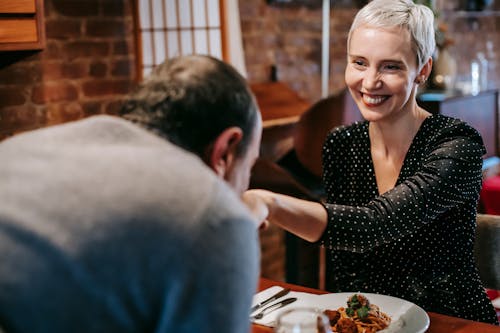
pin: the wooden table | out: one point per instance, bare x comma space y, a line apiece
439, 323
278, 103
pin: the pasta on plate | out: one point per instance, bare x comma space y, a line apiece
360, 316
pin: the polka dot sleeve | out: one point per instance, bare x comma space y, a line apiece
442, 171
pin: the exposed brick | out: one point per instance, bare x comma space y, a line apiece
10, 96
258, 73
300, 26
98, 69
16, 119
86, 49
61, 113
97, 88
106, 28
114, 107
92, 108
78, 8
121, 48
63, 29
64, 70
249, 8
52, 50
122, 67
38, 88
54, 92
118, 8
249, 26
20, 73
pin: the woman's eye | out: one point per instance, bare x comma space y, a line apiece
359, 62
393, 67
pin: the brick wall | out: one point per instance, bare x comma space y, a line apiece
289, 37
87, 67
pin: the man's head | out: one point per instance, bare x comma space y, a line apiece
204, 106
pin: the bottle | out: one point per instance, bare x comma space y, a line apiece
479, 73
483, 71
474, 73
492, 66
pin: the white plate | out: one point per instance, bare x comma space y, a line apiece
406, 317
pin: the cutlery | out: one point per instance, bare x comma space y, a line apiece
273, 307
274, 297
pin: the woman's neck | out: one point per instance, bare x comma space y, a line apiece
393, 136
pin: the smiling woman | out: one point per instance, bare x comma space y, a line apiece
402, 186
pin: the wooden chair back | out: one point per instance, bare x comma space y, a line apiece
317, 122
487, 249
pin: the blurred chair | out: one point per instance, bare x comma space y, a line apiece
487, 250
304, 161
315, 124
489, 198
298, 173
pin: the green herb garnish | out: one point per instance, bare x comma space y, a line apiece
349, 312
363, 312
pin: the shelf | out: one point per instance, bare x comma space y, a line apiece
21, 25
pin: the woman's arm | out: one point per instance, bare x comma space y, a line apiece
306, 219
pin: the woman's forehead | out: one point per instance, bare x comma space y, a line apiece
377, 40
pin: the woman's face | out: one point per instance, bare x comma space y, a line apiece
381, 71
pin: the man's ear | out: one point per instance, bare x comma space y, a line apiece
222, 153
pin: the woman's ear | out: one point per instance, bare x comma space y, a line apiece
425, 72
222, 153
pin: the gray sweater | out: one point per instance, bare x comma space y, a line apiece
105, 227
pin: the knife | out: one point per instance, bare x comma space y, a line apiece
272, 308
281, 293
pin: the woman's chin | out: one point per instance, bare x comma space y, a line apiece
371, 116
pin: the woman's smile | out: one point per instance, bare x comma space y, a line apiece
373, 100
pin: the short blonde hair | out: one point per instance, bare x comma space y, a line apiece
418, 20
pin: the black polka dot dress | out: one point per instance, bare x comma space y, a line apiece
416, 240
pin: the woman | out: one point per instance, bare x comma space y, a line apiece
402, 186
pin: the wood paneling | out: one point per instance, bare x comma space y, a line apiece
17, 6
18, 31
21, 25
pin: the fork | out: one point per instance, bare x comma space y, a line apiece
272, 308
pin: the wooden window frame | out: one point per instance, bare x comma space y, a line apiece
138, 35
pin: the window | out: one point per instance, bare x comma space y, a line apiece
169, 28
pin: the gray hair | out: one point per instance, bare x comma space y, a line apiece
191, 100
418, 20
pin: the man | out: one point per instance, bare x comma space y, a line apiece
106, 226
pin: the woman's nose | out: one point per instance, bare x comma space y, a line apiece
372, 79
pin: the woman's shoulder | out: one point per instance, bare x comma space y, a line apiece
449, 127
452, 136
